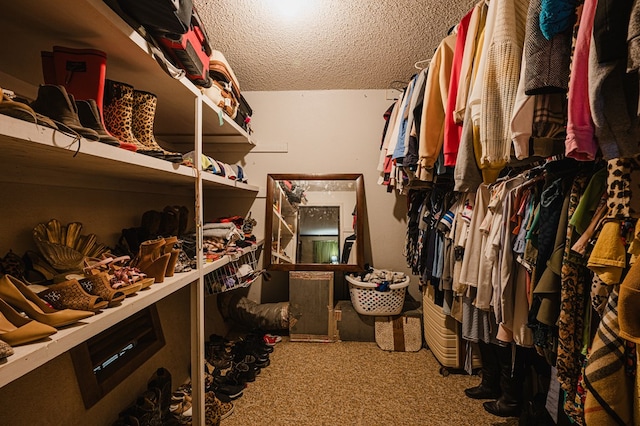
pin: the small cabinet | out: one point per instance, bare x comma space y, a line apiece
311, 306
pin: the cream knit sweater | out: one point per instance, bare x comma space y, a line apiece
500, 84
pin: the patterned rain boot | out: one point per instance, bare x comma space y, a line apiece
118, 117
144, 111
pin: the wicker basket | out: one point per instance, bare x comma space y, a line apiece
367, 300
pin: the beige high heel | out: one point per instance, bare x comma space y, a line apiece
17, 330
152, 260
169, 244
17, 294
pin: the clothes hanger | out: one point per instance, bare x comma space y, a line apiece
398, 85
424, 61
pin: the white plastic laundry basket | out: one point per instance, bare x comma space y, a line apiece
367, 300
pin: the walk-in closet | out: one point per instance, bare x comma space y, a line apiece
319, 212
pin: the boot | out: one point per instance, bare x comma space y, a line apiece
489, 387
89, 116
151, 260
81, 71
118, 117
54, 102
511, 383
161, 380
170, 221
144, 111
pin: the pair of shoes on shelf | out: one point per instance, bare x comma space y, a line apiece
18, 294
157, 258
129, 116
161, 380
99, 284
120, 275
69, 294
20, 109
124, 274
54, 102
16, 330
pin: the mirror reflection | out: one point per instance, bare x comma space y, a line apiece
313, 220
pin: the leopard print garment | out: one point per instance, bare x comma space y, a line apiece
571, 320
623, 183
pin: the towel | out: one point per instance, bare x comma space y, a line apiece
610, 389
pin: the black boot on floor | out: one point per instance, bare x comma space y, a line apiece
511, 383
489, 387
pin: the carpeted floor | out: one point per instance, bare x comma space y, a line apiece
356, 383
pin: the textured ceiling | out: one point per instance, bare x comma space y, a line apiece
326, 44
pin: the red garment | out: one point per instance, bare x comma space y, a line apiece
452, 130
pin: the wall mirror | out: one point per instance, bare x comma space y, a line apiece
314, 222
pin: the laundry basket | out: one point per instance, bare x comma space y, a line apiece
367, 300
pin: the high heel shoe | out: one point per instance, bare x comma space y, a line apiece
151, 260
128, 274
169, 244
71, 295
16, 293
101, 266
99, 284
17, 330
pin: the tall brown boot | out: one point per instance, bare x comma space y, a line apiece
152, 260
144, 111
118, 117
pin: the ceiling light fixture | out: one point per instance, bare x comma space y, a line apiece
289, 9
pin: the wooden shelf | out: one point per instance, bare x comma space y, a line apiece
210, 180
35, 155
93, 24
287, 259
284, 223
29, 357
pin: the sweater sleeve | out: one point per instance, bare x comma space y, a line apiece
500, 86
435, 99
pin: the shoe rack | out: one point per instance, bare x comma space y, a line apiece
100, 185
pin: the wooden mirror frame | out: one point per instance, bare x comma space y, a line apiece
358, 179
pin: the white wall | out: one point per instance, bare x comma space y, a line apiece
335, 131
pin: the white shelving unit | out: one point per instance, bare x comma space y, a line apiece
36, 156
284, 238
